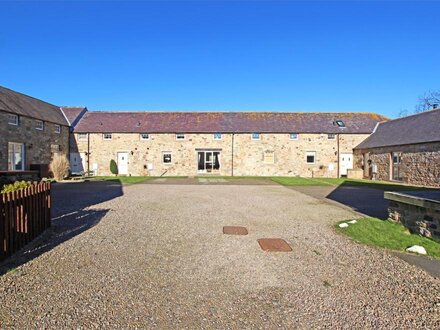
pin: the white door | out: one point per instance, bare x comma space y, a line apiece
123, 163
77, 162
345, 163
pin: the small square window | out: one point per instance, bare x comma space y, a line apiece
107, 136
217, 136
180, 136
39, 125
57, 129
294, 136
255, 136
144, 136
166, 157
331, 136
13, 119
310, 157
82, 136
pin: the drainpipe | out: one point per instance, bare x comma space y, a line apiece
338, 154
88, 153
232, 154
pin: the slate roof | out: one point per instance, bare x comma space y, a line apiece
423, 127
225, 122
74, 114
21, 104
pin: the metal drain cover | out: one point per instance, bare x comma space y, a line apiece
274, 245
235, 230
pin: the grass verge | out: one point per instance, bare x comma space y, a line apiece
121, 179
388, 235
382, 185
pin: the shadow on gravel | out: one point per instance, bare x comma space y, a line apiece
72, 214
368, 198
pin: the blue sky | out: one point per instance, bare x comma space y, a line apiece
212, 55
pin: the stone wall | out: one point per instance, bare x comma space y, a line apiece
245, 155
39, 145
418, 215
420, 163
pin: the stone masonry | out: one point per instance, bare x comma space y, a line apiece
240, 155
420, 163
419, 215
39, 145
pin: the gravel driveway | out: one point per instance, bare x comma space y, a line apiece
155, 256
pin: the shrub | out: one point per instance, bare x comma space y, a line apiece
16, 186
113, 167
59, 167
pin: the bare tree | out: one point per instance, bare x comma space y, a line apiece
428, 101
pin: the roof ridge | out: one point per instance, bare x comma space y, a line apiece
230, 111
416, 114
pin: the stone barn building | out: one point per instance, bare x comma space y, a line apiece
217, 143
31, 132
403, 150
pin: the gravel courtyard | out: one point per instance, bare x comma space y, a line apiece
154, 256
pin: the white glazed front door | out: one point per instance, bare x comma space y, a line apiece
77, 162
346, 163
123, 163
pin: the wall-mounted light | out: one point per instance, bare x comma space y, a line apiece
132, 152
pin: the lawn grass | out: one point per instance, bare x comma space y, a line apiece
121, 179
388, 235
382, 185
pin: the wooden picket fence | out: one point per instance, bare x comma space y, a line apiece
24, 214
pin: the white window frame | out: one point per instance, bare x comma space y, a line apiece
253, 138
82, 136
180, 136
311, 153
12, 161
57, 129
331, 136
142, 138
39, 125
217, 136
171, 156
293, 139
15, 120
107, 136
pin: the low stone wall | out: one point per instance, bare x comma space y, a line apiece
416, 211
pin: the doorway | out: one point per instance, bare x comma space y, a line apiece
123, 163
208, 161
345, 163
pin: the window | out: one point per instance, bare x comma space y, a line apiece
217, 136
39, 125
180, 136
255, 136
268, 157
107, 136
208, 161
15, 156
294, 136
331, 136
55, 148
340, 123
144, 136
166, 157
396, 166
82, 136
310, 157
57, 129
13, 119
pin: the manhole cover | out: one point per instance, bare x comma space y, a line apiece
274, 245
234, 230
